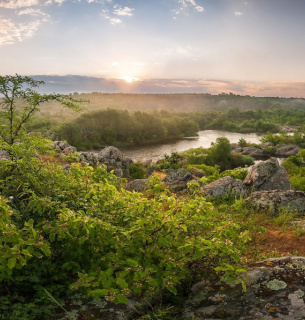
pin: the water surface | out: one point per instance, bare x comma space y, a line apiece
204, 139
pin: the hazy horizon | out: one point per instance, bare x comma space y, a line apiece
252, 47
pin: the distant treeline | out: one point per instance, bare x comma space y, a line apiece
245, 121
92, 129
120, 128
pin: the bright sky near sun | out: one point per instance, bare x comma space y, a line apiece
237, 45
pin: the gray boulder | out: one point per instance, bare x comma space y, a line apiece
177, 180
249, 150
275, 290
266, 145
69, 150
225, 185
276, 199
89, 157
138, 185
237, 150
268, 175
110, 155
4, 155
60, 145
286, 150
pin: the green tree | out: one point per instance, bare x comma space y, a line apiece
20, 101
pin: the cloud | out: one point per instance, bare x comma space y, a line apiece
11, 32
116, 13
120, 11
14, 4
186, 5
34, 13
238, 13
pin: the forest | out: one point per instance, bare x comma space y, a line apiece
74, 241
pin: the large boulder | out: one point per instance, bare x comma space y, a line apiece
249, 150
110, 155
276, 199
275, 290
177, 180
223, 186
286, 150
60, 145
89, 157
138, 185
268, 175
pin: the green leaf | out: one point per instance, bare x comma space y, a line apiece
122, 283
99, 293
11, 263
172, 289
121, 299
46, 250
52, 237
132, 263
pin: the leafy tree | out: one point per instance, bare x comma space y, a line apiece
20, 101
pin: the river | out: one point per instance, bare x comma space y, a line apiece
204, 139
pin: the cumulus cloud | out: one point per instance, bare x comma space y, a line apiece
11, 32
186, 5
14, 4
238, 13
116, 13
120, 11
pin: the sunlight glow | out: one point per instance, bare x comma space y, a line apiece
130, 79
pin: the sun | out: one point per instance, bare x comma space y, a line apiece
130, 79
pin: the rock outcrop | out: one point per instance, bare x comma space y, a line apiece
225, 185
276, 199
177, 180
286, 150
267, 175
138, 185
275, 290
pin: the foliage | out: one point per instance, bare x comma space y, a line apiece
295, 166
15, 90
242, 143
137, 171
297, 138
118, 127
172, 161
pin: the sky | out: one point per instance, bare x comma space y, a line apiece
254, 47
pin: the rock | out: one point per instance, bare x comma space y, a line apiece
126, 162
275, 289
266, 145
4, 155
198, 173
276, 199
89, 157
60, 146
237, 150
66, 167
267, 175
118, 172
257, 153
249, 150
69, 150
110, 155
225, 185
150, 170
138, 185
177, 180
286, 150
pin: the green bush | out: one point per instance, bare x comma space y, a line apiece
137, 171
